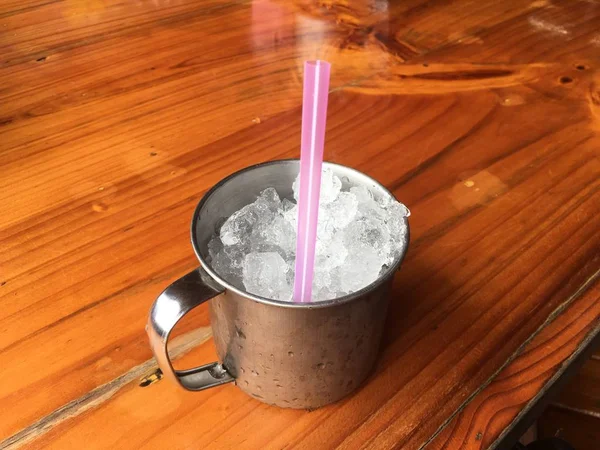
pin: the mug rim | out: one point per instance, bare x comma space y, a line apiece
291, 304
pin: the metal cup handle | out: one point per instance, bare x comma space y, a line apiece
178, 299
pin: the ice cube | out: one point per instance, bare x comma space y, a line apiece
268, 201
362, 267
228, 264
367, 205
363, 195
286, 205
266, 274
325, 230
236, 254
323, 292
396, 213
367, 241
340, 212
331, 253
321, 279
325, 283
214, 247
367, 232
331, 186
274, 235
291, 216
239, 225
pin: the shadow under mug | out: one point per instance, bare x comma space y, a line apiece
294, 355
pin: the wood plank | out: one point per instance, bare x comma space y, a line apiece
517, 388
136, 110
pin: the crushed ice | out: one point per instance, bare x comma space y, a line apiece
357, 236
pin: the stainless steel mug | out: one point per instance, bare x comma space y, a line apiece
294, 355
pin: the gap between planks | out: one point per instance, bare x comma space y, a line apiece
553, 315
178, 347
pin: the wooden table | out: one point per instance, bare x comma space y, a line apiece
115, 118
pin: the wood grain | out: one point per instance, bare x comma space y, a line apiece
532, 377
115, 117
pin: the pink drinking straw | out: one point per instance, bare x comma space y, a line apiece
314, 116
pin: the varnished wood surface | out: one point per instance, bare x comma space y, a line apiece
481, 116
517, 396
